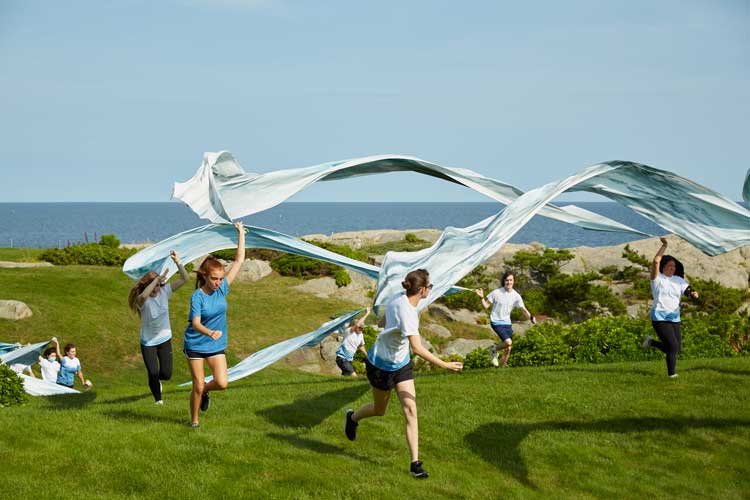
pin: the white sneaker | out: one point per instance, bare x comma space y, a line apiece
646, 342
493, 357
674, 375
160, 402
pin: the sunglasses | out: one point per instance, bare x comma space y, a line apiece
429, 287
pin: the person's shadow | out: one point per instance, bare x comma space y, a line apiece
71, 401
498, 443
308, 412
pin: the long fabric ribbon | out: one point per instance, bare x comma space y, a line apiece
39, 387
261, 359
701, 216
221, 190
26, 355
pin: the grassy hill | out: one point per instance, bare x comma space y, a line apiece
586, 431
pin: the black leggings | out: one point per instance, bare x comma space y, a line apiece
671, 342
158, 359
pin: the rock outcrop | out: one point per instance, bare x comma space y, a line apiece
14, 310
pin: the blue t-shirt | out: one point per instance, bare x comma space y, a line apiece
68, 368
212, 309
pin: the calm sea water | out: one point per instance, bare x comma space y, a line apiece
57, 224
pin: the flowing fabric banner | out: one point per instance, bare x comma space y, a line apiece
703, 217
39, 387
27, 355
261, 359
221, 190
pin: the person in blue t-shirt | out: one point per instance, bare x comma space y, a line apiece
206, 333
667, 286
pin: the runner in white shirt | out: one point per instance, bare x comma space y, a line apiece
389, 365
150, 299
504, 300
667, 286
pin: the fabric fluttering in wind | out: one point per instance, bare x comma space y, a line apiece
265, 357
39, 387
709, 221
221, 190
746, 189
5, 347
26, 355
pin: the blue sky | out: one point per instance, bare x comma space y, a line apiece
114, 101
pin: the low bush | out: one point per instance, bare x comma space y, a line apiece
91, 254
11, 388
478, 358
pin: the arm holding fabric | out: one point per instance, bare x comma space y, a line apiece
657, 258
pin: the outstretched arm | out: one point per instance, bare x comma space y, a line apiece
418, 349
361, 321
150, 287
239, 256
657, 258
183, 273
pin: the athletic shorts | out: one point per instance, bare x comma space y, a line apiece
347, 368
201, 355
505, 332
385, 380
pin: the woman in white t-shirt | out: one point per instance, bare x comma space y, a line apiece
667, 286
389, 365
150, 299
504, 300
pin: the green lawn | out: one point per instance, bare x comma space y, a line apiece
584, 431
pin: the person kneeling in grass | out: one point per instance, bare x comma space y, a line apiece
389, 365
353, 341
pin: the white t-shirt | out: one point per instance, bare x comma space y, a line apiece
352, 340
155, 327
50, 369
504, 302
667, 292
391, 349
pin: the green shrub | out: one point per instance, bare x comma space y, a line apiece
477, 278
640, 290
410, 243
714, 297
478, 358
542, 345
109, 240
305, 267
411, 238
11, 388
572, 297
539, 266
600, 340
342, 278
636, 258
91, 254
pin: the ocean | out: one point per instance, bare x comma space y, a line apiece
44, 225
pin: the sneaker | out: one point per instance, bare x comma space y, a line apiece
674, 375
350, 426
493, 356
646, 342
160, 402
194, 425
205, 401
417, 471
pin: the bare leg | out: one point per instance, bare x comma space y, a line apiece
196, 373
376, 408
218, 366
408, 396
506, 353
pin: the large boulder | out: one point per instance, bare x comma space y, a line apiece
438, 330
14, 309
254, 270
462, 347
357, 291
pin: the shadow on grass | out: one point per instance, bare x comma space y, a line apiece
135, 417
498, 443
309, 412
609, 369
126, 399
725, 371
71, 401
316, 446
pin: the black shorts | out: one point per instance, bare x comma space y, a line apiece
201, 355
347, 368
384, 380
